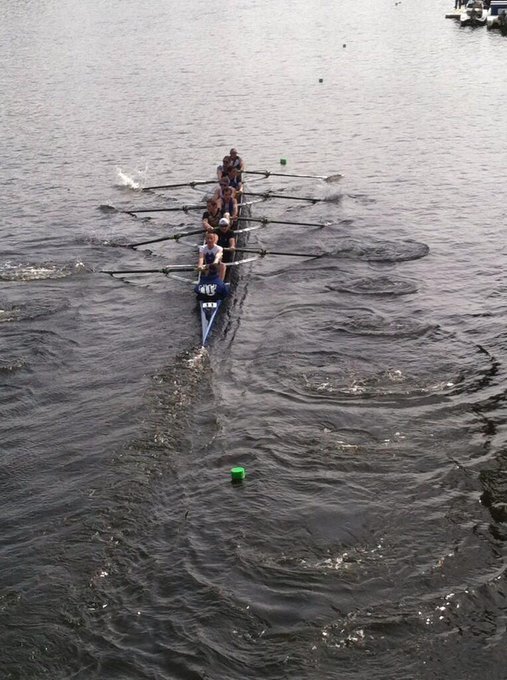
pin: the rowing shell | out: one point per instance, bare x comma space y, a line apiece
209, 311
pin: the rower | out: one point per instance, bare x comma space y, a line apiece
211, 288
223, 183
229, 205
235, 182
211, 216
236, 161
210, 252
224, 167
226, 239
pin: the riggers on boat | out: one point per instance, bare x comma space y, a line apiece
497, 17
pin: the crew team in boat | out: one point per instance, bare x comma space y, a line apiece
220, 218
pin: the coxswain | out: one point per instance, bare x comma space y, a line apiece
236, 161
226, 240
210, 252
224, 167
210, 287
211, 216
229, 205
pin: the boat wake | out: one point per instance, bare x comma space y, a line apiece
199, 360
8, 315
382, 285
382, 251
11, 365
35, 272
391, 383
333, 196
35, 309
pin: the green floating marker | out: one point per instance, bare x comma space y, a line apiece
283, 161
321, 80
238, 474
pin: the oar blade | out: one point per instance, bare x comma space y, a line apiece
333, 178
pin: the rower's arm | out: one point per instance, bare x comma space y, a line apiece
218, 256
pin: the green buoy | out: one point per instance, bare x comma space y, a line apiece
238, 474
283, 161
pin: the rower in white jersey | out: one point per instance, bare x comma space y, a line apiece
210, 252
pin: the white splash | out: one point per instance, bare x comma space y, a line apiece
197, 360
133, 180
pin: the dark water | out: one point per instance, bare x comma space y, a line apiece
363, 391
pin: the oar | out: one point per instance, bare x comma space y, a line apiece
262, 220
268, 194
262, 252
164, 270
265, 220
267, 173
194, 183
185, 208
173, 237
